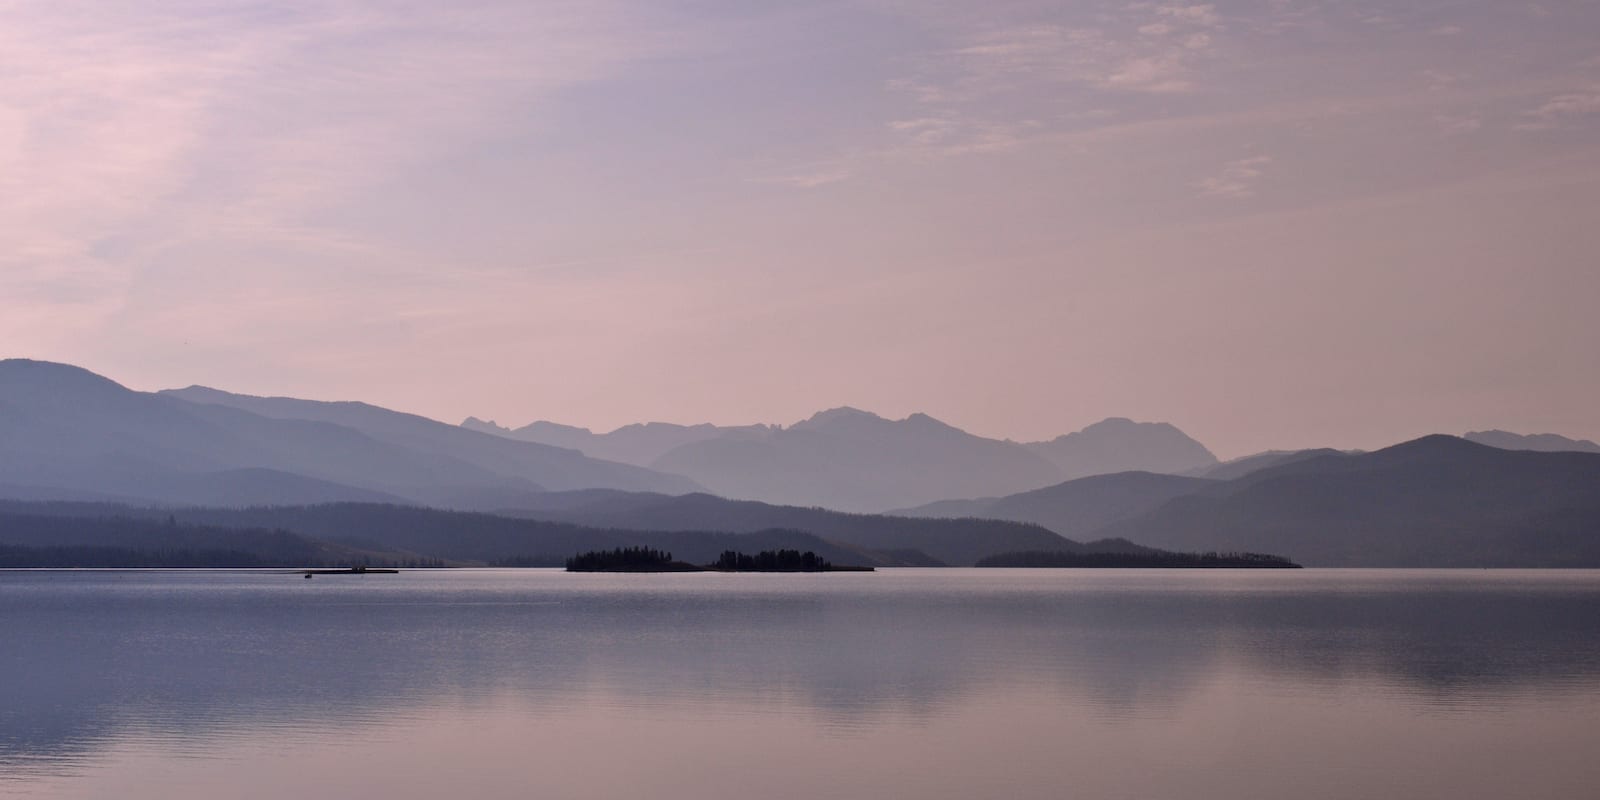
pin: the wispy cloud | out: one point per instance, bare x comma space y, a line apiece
1203, 15
1236, 180
1560, 108
1153, 51
976, 92
812, 178
1454, 125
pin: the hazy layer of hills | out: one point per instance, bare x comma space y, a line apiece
854, 460
68, 433
1544, 442
62, 535
696, 528
349, 476
1073, 508
1240, 467
955, 542
1505, 440
639, 444
1436, 501
1122, 445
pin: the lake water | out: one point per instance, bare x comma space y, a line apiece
896, 684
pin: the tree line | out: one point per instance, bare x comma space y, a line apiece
111, 557
771, 561
650, 559
1154, 559
619, 558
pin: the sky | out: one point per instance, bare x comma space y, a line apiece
1273, 223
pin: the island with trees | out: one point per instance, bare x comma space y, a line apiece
649, 559
629, 559
1151, 559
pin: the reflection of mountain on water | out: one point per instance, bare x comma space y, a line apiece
194, 656
1437, 638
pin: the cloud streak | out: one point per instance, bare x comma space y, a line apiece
1237, 179
1560, 109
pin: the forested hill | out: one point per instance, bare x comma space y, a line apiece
47, 537
1077, 508
1438, 501
957, 542
371, 533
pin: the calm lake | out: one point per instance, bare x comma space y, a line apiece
946, 683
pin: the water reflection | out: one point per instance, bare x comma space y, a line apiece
192, 664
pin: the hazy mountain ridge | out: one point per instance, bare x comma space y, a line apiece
397, 533
1074, 508
87, 531
547, 466
68, 428
1435, 501
1244, 465
957, 542
639, 444
66, 432
1543, 442
855, 460
1118, 444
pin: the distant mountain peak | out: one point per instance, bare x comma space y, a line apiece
842, 412
1123, 424
1473, 443
848, 421
1113, 422
843, 415
1119, 444
1545, 442
1433, 447
1436, 438
925, 422
196, 393
484, 426
51, 373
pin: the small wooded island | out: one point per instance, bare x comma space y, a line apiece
1157, 559
649, 559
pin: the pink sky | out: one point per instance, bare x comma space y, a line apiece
1274, 223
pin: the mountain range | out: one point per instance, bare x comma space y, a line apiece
696, 528
1491, 498
854, 460
66, 433
1074, 508
1437, 501
639, 444
1543, 442
954, 542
